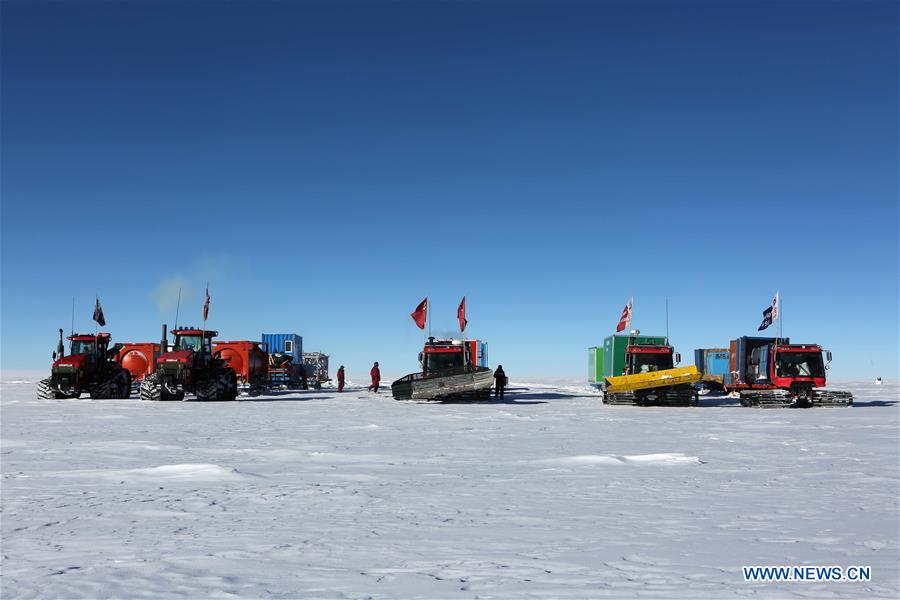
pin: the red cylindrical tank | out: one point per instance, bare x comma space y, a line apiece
139, 359
249, 361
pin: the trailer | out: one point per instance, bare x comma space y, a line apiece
139, 358
249, 361
315, 365
285, 368
712, 363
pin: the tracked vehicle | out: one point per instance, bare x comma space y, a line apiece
640, 370
90, 367
190, 367
774, 373
451, 370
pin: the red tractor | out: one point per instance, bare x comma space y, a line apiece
90, 367
190, 367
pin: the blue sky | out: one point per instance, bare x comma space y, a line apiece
326, 166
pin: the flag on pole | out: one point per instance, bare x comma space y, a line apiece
98, 314
461, 314
206, 305
625, 319
770, 314
419, 315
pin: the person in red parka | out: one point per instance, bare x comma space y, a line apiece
340, 378
376, 378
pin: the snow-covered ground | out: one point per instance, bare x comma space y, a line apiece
549, 494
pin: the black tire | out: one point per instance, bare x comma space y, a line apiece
151, 388
222, 386
105, 388
232, 391
45, 391
123, 384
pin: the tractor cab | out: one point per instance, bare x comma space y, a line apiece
798, 365
649, 358
191, 343
443, 355
84, 349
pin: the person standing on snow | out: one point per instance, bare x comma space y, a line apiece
500, 381
376, 377
340, 378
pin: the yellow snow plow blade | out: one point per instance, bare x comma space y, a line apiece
643, 381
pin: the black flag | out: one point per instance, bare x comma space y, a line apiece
98, 314
767, 319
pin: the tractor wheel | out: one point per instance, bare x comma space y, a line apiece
151, 388
45, 391
105, 388
231, 391
210, 389
123, 384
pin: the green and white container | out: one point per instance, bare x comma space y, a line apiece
608, 360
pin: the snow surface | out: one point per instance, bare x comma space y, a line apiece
549, 494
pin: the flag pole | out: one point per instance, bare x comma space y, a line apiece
177, 308
203, 339
667, 320
72, 330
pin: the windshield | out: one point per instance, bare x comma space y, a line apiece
188, 342
439, 361
82, 347
800, 364
647, 363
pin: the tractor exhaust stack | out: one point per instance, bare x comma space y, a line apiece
164, 341
60, 347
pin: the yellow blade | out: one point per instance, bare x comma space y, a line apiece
643, 381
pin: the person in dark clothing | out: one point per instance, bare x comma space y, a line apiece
376, 378
500, 381
340, 379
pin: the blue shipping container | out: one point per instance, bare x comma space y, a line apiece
286, 343
712, 363
482, 358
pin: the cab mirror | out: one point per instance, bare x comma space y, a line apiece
677, 357
828, 355
54, 356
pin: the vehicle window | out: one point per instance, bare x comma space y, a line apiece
82, 347
188, 342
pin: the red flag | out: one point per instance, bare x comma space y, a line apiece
461, 315
625, 319
419, 315
206, 305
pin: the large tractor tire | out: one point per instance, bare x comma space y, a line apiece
123, 384
221, 385
151, 388
232, 392
45, 391
105, 387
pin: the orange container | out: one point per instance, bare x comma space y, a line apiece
139, 359
249, 361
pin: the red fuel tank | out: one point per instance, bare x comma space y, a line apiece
139, 359
249, 361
